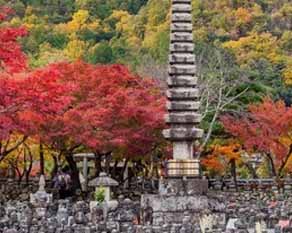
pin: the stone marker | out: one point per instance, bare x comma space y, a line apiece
41, 199
85, 157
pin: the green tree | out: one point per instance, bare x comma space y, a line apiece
101, 53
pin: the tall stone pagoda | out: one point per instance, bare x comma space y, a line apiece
183, 194
183, 94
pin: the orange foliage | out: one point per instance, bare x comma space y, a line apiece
221, 156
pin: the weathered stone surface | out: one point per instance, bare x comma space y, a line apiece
183, 118
181, 27
182, 93
181, 7
182, 47
176, 203
182, 81
181, 58
181, 17
183, 105
182, 150
182, 69
182, 133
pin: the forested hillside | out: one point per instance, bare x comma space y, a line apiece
257, 32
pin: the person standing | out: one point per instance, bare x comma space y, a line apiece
63, 183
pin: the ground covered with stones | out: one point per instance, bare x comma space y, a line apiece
244, 212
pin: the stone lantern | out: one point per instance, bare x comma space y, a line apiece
104, 181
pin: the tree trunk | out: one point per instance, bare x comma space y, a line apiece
271, 162
97, 162
55, 168
28, 171
252, 171
233, 172
122, 180
42, 159
107, 162
74, 171
114, 169
283, 165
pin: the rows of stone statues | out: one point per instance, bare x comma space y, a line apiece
238, 212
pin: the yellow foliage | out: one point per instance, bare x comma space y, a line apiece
94, 26
201, 34
48, 55
29, 10
16, 22
243, 16
123, 18
75, 49
285, 11
78, 21
30, 21
125, 26
62, 27
287, 73
254, 47
153, 36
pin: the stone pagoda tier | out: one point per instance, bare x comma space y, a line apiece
183, 95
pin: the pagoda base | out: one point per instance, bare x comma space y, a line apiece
183, 186
158, 210
182, 200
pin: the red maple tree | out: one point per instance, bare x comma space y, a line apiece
26, 101
12, 59
111, 111
267, 129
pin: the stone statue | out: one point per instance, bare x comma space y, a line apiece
42, 183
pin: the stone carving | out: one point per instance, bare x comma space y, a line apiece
41, 199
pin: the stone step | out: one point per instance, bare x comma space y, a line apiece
182, 93
178, 134
182, 81
183, 118
183, 105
